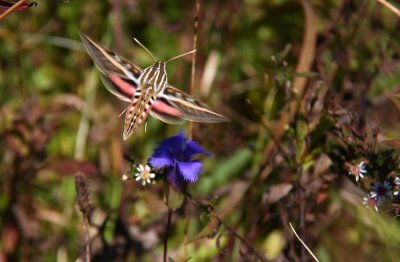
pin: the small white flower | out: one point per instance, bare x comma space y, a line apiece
358, 170
143, 173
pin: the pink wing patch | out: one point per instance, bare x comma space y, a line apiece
124, 87
162, 107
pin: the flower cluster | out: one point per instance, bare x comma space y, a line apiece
380, 191
174, 158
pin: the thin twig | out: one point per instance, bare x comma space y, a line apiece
84, 124
302, 215
9, 10
390, 6
167, 227
301, 241
117, 24
87, 239
193, 80
206, 209
167, 233
64, 42
236, 235
185, 229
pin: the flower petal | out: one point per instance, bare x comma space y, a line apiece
173, 143
190, 170
175, 177
191, 149
140, 168
161, 161
167, 151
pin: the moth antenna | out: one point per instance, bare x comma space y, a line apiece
147, 50
122, 113
178, 56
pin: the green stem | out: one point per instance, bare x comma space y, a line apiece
167, 228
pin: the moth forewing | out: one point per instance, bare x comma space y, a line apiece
190, 108
109, 61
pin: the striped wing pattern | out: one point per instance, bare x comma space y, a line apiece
147, 91
190, 108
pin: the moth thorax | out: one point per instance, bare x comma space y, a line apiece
155, 76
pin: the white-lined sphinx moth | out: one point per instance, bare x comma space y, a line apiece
147, 90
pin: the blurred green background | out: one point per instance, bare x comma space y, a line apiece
310, 87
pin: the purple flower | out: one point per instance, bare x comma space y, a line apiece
381, 190
175, 154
